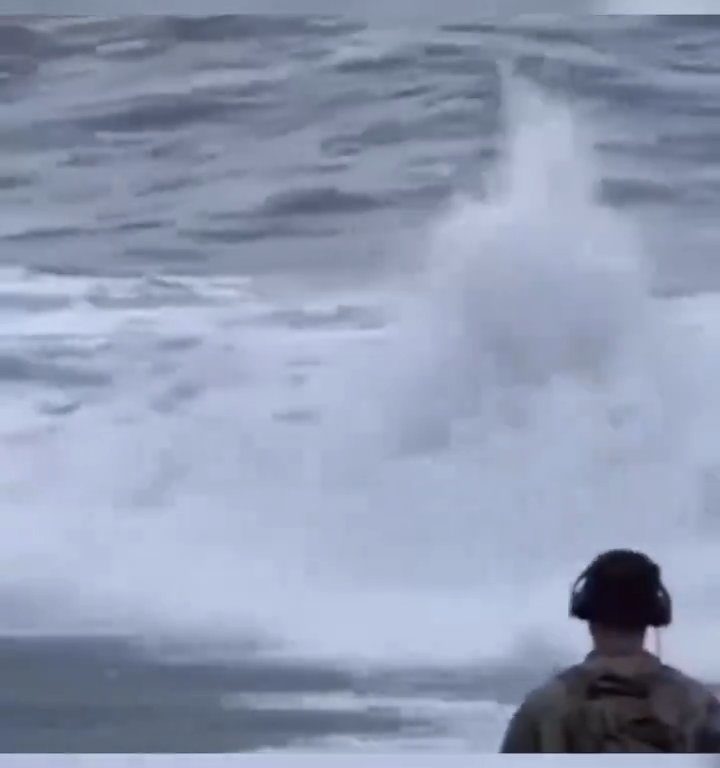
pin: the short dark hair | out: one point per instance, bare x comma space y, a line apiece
622, 589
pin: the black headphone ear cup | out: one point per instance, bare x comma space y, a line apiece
663, 611
580, 611
578, 598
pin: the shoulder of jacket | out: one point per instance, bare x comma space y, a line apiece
696, 692
553, 694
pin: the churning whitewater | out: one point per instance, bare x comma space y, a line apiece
390, 491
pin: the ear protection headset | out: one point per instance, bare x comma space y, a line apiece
623, 587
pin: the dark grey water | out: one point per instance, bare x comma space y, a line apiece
198, 218
84, 695
290, 145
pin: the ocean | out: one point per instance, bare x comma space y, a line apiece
332, 349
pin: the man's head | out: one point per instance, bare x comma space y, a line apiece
621, 594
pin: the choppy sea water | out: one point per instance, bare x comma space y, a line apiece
331, 351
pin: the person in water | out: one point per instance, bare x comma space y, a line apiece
621, 698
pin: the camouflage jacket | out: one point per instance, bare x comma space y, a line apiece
540, 724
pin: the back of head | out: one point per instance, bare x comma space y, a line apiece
622, 589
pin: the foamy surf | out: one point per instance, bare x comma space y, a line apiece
526, 410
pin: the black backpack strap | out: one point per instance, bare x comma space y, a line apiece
608, 684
